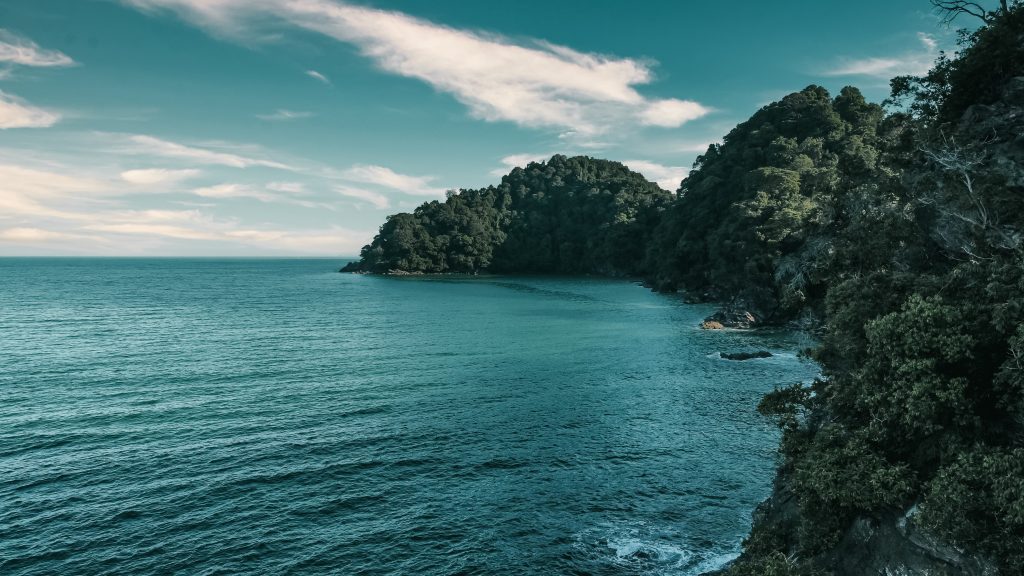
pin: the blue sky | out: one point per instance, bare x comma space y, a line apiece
293, 127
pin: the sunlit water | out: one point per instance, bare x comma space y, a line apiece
276, 417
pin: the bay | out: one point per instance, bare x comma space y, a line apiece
223, 416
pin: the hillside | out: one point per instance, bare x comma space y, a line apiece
567, 215
894, 233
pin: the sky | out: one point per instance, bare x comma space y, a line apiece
294, 127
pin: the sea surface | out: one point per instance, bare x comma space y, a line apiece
251, 416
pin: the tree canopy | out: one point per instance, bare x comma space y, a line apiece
567, 215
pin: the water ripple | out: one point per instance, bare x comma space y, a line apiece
275, 417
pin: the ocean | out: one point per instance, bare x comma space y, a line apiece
272, 416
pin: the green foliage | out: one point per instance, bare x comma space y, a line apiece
914, 381
751, 217
841, 474
977, 502
786, 405
921, 287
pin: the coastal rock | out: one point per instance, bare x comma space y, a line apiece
745, 355
731, 318
741, 312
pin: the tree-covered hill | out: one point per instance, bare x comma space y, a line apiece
755, 219
899, 233
567, 215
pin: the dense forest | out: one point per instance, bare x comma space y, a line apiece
568, 215
893, 232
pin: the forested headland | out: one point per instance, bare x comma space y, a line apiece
894, 231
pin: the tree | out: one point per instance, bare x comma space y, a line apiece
950, 9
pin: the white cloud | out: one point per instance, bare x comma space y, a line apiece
929, 41
24, 52
230, 190
668, 177
282, 114
16, 113
530, 83
28, 192
287, 187
158, 176
695, 147
30, 235
377, 200
517, 161
671, 113
388, 178
166, 230
913, 63
318, 76
332, 241
233, 191
142, 144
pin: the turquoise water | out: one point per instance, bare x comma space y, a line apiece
276, 417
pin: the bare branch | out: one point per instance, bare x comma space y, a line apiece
966, 216
950, 9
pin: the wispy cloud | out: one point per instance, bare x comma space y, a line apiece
141, 144
318, 76
16, 113
158, 176
388, 178
531, 83
272, 192
282, 115
667, 177
691, 147
34, 193
233, 191
374, 198
16, 50
913, 63
517, 161
288, 187
29, 235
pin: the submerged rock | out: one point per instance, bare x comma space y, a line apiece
745, 355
